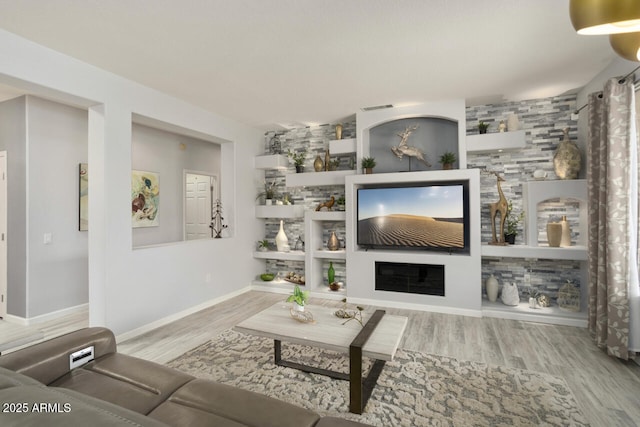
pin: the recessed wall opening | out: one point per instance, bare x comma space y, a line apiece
424, 279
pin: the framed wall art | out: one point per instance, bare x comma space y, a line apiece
145, 198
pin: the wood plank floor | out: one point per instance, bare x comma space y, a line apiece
607, 390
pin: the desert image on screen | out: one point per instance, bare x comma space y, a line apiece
411, 217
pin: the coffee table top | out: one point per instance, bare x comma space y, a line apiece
327, 331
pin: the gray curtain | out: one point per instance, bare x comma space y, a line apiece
612, 188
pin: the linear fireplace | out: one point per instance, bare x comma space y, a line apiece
426, 279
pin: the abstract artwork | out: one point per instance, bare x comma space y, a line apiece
145, 197
83, 224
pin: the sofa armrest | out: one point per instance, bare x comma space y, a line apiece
49, 360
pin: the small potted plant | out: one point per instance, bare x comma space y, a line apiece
511, 224
269, 193
263, 245
299, 298
368, 163
482, 127
341, 201
447, 159
298, 159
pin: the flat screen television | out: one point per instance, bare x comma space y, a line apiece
424, 216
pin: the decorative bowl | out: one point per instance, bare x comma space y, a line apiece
334, 286
267, 277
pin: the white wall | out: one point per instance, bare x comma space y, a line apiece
57, 273
127, 288
13, 131
156, 150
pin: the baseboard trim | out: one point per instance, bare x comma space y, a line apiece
28, 321
179, 315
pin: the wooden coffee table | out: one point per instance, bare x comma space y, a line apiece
378, 340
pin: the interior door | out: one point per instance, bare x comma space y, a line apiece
3, 234
198, 199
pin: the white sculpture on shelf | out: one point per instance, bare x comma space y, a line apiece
510, 295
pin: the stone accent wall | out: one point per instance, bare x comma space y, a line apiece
542, 119
316, 141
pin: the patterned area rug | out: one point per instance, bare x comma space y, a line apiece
415, 389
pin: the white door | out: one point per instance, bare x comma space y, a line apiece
3, 234
198, 198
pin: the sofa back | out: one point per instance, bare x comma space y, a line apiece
49, 360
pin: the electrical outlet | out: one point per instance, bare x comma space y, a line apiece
47, 238
527, 278
207, 278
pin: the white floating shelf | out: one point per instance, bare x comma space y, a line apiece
327, 215
342, 146
577, 253
327, 254
284, 256
499, 141
271, 161
279, 211
311, 179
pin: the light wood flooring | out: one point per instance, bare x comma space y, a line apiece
606, 389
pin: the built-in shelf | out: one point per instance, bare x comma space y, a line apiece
284, 256
342, 146
327, 254
271, 161
553, 315
578, 253
279, 211
311, 179
500, 141
536, 192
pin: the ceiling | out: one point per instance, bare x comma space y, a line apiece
288, 63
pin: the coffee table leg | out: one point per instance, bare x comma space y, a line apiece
359, 395
277, 351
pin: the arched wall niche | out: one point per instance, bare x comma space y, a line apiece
377, 132
433, 136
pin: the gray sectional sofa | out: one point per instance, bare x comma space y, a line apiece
38, 387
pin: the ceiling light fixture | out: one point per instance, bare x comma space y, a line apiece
626, 45
605, 16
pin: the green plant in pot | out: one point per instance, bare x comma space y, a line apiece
341, 201
263, 245
298, 159
299, 298
482, 127
511, 224
269, 193
368, 163
447, 159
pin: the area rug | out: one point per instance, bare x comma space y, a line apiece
415, 389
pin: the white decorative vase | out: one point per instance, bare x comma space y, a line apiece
510, 295
492, 288
297, 307
282, 241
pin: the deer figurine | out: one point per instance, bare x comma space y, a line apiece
498, 207
405, 150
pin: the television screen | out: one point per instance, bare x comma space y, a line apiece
426, 216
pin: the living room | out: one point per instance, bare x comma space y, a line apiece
133, 286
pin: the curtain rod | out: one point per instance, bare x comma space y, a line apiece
619, 81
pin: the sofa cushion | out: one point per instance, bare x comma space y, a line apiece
9, 378
136, 384
206, 403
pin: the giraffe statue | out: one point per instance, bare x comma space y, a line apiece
498, 207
